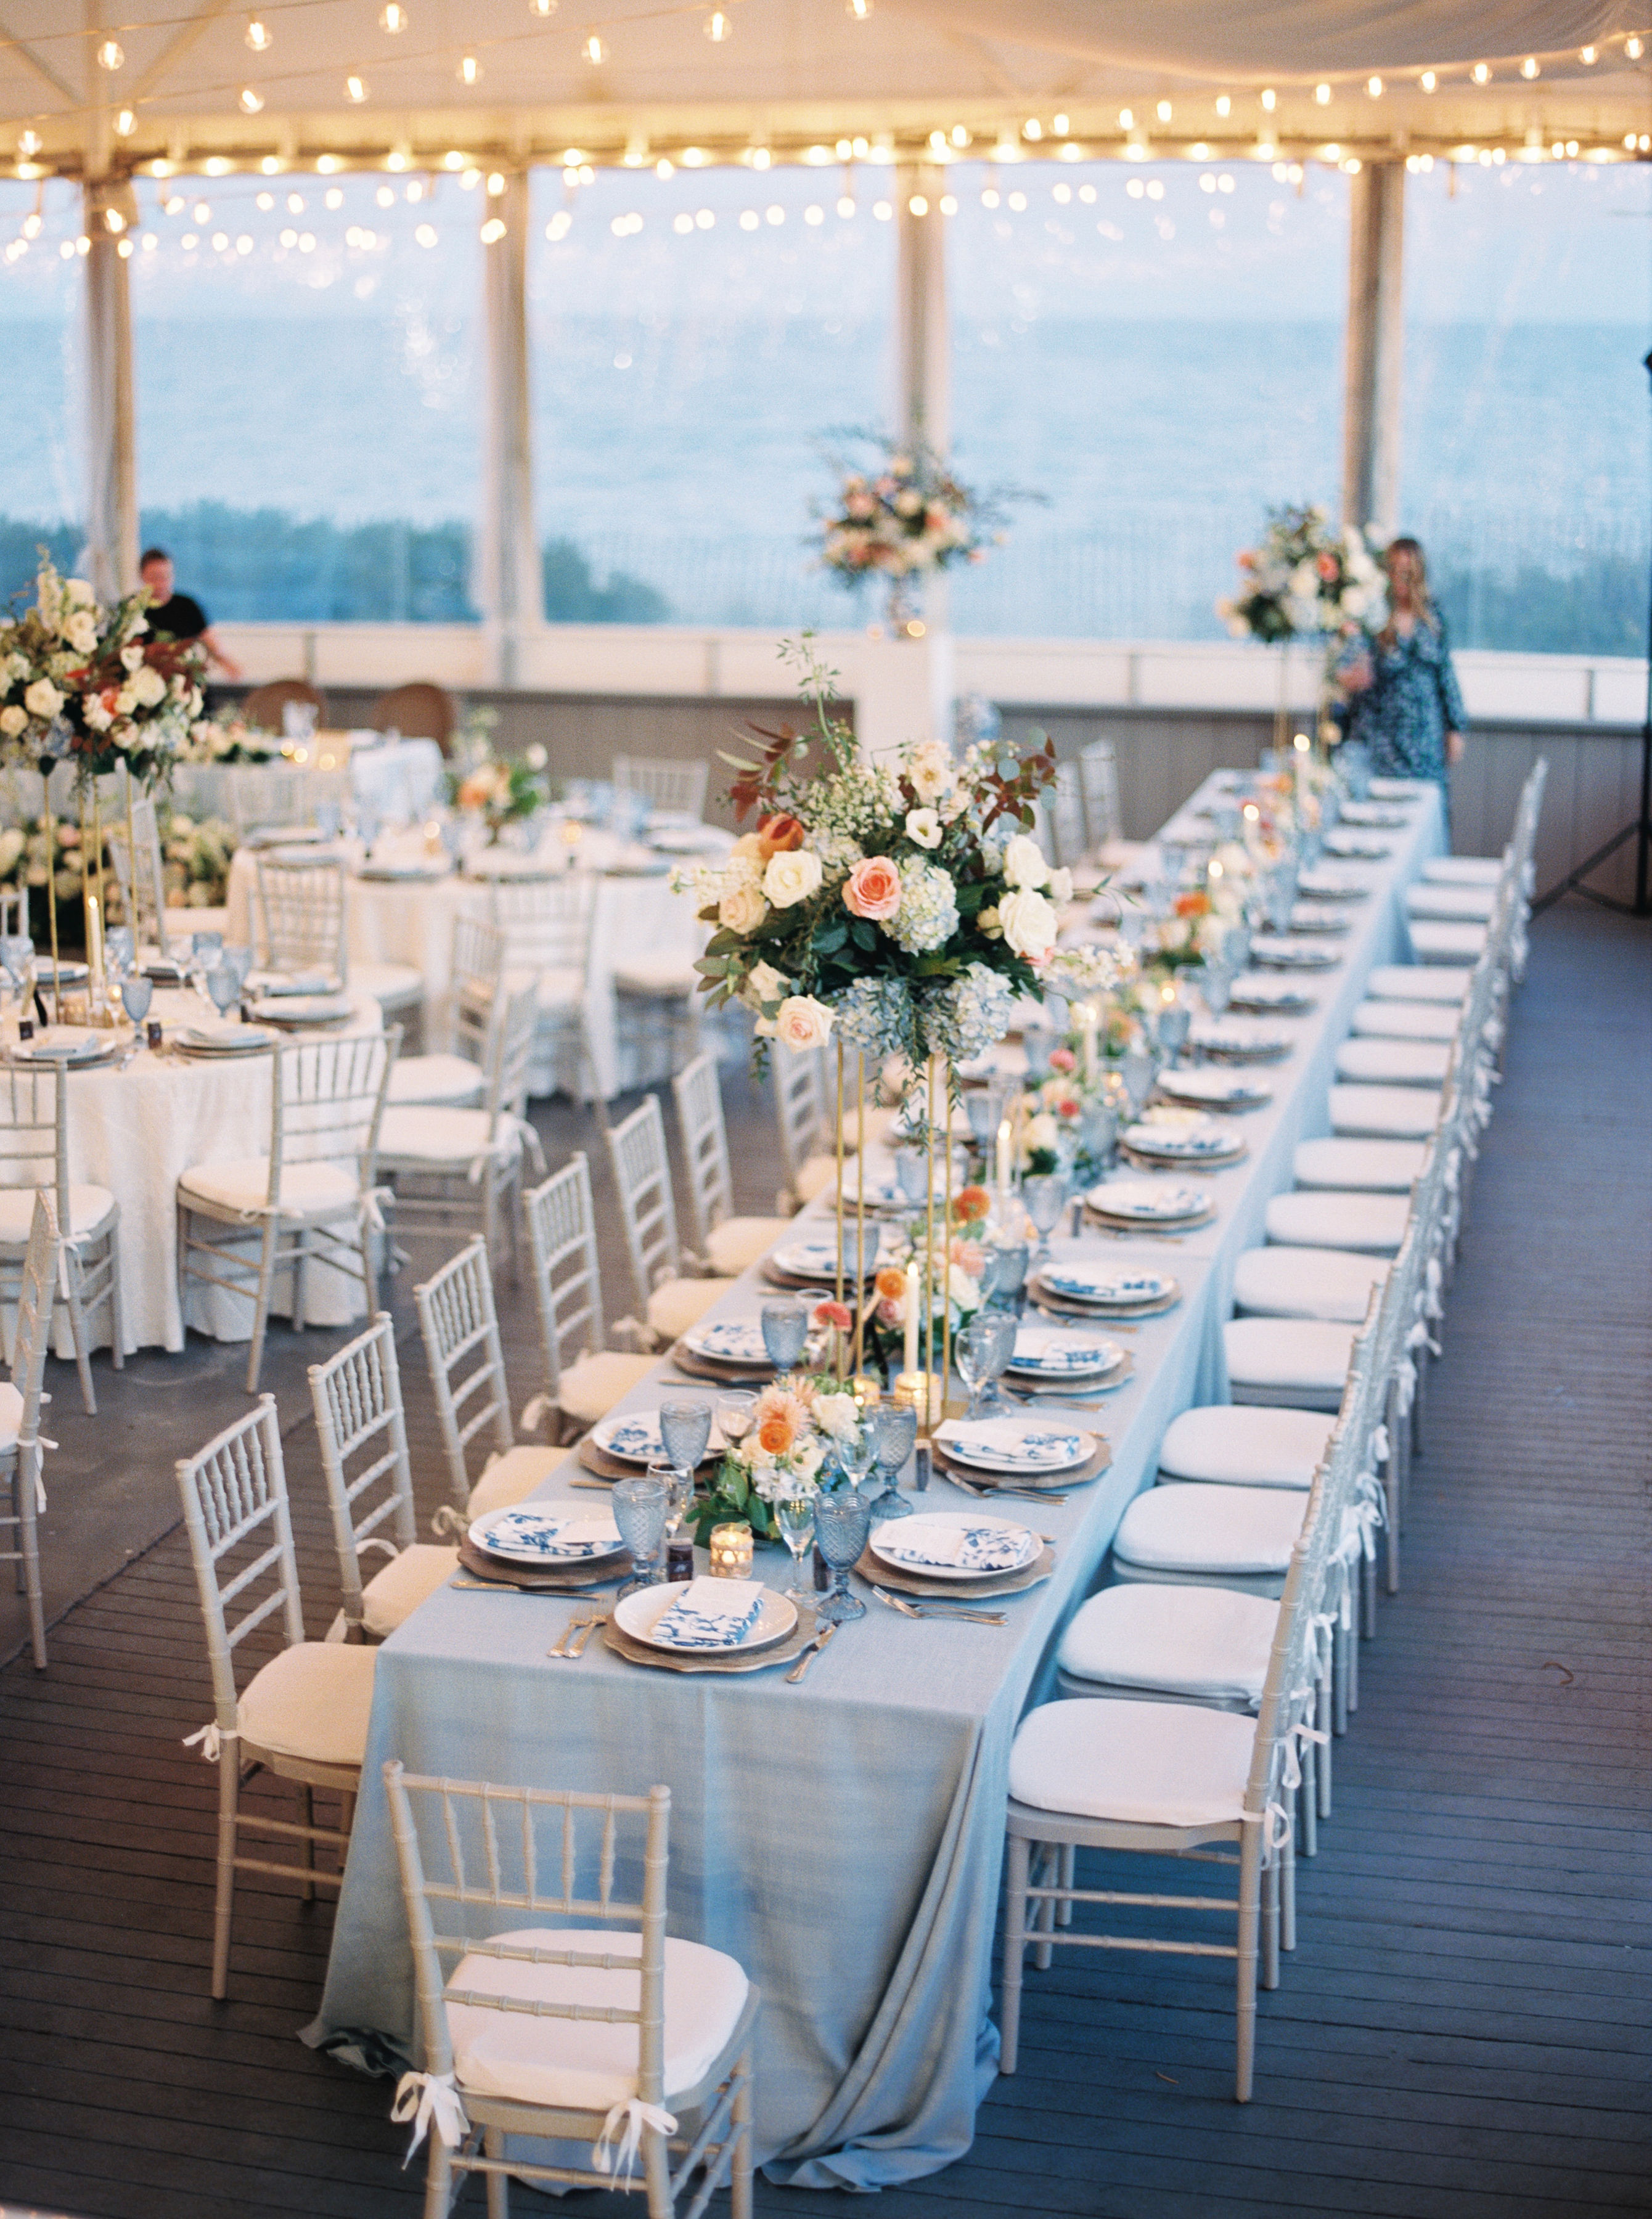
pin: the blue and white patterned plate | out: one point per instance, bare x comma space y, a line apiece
1148, 1202
1239, 1043
641, 1616
1173, 1143
1217, 1090
1011, 1444
1357, 847
817, 1259
1107, 1288
549, 1535
634, 1438
1330, 885
1374, 814
1317, 917
729, 1340
1043, 1351
1276, 997
955, 1544
1280, 953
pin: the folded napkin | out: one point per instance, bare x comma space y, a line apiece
711, 1613
597, 1536
969, 1548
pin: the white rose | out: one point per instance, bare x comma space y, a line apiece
97, 715
1028, 923
13, 720
803, 1021
1023, 862
126, 700
81, 631
791, 878
743, 909
536, 757
1060, 887
17, 666
77, 594
43, 699
149, 687
923, 828
1042, 1132
131, 657
837, 1414
930, 770
764, 983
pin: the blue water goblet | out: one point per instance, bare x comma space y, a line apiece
894, 1428
842, 1520
136, 994
640, 1507
784, 1326
685, 1430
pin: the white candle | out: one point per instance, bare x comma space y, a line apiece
910, 1359
1090, 1042
1003, 1155
94, 942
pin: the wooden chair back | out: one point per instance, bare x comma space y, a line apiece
460, 1327
262, 708
419, 711
362, 1431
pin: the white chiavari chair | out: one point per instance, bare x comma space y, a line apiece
804, 1119
456, 1081
460, 1328
361, 1426
34, 1156
572, 2016
460, 1170
302, 923
671, 787
21, 1448
584, 1378
670, 1302
727, 1243
303, 1715
266, 797
312, 1197
547, 928
141, 874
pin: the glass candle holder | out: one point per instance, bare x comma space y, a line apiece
730, 1549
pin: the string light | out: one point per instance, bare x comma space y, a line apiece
1269, 99
355, 88
395, 159
1428, 80
593, 50
1061, 126
202, 213
857, 10
251, 101
123, 248
1482, 73
1589, 56
917, 205
333, 198
325, 164
883, 210
29, 144
718, 27
1374, 86
393, 17
31, 224
125, 124
1224, 104
958, 135
542, 9
949, 204
218, 166
1032, 129
846, 207
271, 165
559, 226
1634, 48
1529, 68
1127, 120
1322, 94
1162, 111
111, 55
496, 185
469, 69
113, 220
257, 35
493, 231
425, 234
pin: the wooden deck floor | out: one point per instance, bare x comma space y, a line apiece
1463, 2031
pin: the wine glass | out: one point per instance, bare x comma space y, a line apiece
796, 1519
912, 1171
736, 1410
120, 951
894, 1436
1044, 1196
136, 995
1010, 1275
785, 1325
1002, 1326
971, 1351
680, 1493
685, 1429
640, 1514
17, 958
1216, 983
842, 1520
222, 986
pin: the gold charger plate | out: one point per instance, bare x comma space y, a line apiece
571, 1579
611, 1467
1148, 1227
1145, 1160
719, 1373
1051, 1483
1063, 1305
781, 1652
940, 1589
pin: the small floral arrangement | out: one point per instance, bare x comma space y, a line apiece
195, 857
1304, 577
783, 1457
29, 857
80, 682
902, 902
500, 790
229, 742
906, 516
964, 1248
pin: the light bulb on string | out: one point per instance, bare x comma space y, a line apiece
1164, 111
493, 231
125, 124
1269, 99
257, 35
594, 51
111, 55
718, 27
1322, 94
1530, 68
1482, 73
29, 144
1224, 104
355, 88
858, 9
1374, 87
1634, 48
393, 17
469, 69
1589, 56
1428, 80
249, 101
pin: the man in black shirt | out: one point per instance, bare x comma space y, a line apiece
173, 615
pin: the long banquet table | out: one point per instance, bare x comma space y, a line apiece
842, 1838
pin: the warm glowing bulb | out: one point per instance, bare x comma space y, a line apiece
1322, 94
1127, 120
718, 27
858, 9
1428, 80
469, 69
917, 205
258, 36
251, 101
1589, 56
1061, 122
1634, 48
125, 124
1269, 99
1374, 86
1482, 73
1162, 111
493, 231
111, 55
393, 17
1224, 104
355, 88
1529, 67
593, 50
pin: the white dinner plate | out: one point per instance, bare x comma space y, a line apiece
1172, 1144
1217, 1090
1376, 815
226, 1039
1332, 885
558, 1534
301, 1010
817, 1259
1241, 1043
1280, 953
1105, 1285
1024, 1443
897, 1543
638, 1614
1274, 998
1048, 1352
69, 1044
634, 1438
1148, 1200
727, 1341
1357, 847
1317, 917
69, 974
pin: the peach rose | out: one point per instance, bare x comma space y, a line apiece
971, 1204
801, 1021
782, 834
774, 1437
873, 889
891, 1284
1063, 1059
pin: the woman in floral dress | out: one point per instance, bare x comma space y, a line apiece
1402, 696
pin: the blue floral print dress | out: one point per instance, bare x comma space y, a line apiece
1411, 704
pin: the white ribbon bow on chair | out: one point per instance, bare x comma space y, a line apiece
430, 2099
635, 2115
211, 1742
369, 1210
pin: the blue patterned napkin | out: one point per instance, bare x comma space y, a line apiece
711, 1613
962, 1548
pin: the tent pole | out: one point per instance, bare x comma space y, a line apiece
111, 558
923, 413
1376, 346
508, 591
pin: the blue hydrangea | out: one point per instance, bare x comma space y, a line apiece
966, 1016
927, 916
875, 1014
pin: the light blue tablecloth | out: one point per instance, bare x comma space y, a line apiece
841, 1838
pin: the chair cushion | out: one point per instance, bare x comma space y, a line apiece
1233, 1445
561, 990
1375, 1166
593, 1383
682, 1302
1143, 1764
452, 1081
1463, 870
397, 1591
306, 1189
816, 1174
1393, 1062
512, 1477
1371, 1224
1310, 1353
447, 1140
1190, 1527
1392, 1113
1418, 982
88, 1208
739, 1242
1187, 1640
11, 1415
396, 985
1417, 1021
1437, 942
667, 976
311, 1701
1473, 904
1306, 1282
585, 2064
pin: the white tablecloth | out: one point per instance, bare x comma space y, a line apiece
398, 780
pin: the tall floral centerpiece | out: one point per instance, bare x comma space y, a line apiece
491, 789
896, 908
903, 516
1304, 579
